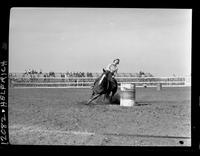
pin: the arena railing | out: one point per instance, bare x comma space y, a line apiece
88, 81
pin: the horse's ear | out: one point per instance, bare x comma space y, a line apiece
104, 70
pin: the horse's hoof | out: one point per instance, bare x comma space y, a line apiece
88, 102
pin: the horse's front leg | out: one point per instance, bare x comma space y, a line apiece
106, 96
93, 98
113, 93
111, 97
93, 93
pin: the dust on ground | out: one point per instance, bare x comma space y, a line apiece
60, 117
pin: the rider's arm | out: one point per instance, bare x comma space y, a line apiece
115, 72
108, 67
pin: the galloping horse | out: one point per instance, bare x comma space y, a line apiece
105, 86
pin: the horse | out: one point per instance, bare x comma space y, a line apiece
105, 84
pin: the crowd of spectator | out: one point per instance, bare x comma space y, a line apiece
143, 74
78, 74
34, 74
32, 71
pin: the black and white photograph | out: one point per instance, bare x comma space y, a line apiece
83, 76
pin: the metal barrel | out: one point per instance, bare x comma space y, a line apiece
127, 94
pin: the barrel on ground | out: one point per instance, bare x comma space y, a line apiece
127, 95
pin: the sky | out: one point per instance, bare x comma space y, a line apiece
157, 41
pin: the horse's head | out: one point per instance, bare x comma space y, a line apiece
102, 83
108, 74
105, 77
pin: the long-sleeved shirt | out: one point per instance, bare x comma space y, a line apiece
112, 68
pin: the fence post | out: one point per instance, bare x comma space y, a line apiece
159, 86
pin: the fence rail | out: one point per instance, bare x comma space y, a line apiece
88, 81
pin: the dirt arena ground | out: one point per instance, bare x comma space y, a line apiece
59, 116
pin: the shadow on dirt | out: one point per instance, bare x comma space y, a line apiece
115, 101
142, 103
102, 101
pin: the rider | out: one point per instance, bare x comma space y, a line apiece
112, 67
